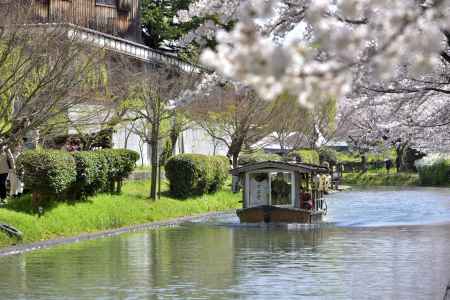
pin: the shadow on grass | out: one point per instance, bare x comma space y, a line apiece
23, 204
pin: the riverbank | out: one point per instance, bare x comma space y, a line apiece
381, 179
104, 212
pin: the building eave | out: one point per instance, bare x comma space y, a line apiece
127, 47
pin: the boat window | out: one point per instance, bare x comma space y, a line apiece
281, 188
259, 189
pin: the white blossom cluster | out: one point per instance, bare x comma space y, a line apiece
328, 39
386, 121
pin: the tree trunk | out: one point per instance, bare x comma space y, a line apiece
400, 151
182, 144
154, 162
235, 160
141, 151
235, 179
173, 141
235, 163
159, 181
234, 150
364, 163
119, 187
214, 146
35, 201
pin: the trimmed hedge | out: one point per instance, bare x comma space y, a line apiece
221, 165
306, 156
328, 155
92, 173
47, 172
55, 173
258, 156
196, 174
121, 162
434, 170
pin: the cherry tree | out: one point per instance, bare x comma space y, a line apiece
229, 112
322, 41
384, 121
394, 53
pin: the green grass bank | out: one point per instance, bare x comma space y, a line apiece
103, 212
381, 178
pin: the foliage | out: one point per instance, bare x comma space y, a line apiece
52, 173
371, 156
434, 170
306, 156
48, 172
120, 164
230, 113
381, 156
380, 179
160, 26
100, 139
221, 166
347, 157
92, 173
163, 27
258, 156
154, 109
42, 76
104, 212
196, 174
328, 155
166, 152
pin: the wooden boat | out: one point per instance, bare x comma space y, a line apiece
281, 192
275, 214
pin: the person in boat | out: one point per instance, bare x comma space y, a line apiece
306, 200
280, 190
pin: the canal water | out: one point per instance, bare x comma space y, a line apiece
375, 244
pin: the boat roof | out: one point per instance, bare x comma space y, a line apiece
280, 165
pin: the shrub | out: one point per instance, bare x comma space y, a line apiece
92, 173
348, 157
306, 156
47, 172
221, 166
195, 174
54, 173
120, 162
434, 170
328, 155
258, 156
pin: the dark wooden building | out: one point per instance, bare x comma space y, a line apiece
110, 24
115, 17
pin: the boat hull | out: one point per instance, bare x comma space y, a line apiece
275, 214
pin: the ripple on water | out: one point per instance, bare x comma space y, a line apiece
368, 249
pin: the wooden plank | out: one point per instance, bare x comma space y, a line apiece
100, 15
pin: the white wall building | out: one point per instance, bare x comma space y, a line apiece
192, 140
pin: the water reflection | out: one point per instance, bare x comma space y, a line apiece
221, 259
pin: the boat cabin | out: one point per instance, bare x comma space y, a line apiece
297, 189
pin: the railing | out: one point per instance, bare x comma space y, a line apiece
319, 202
129, 48
320, 205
